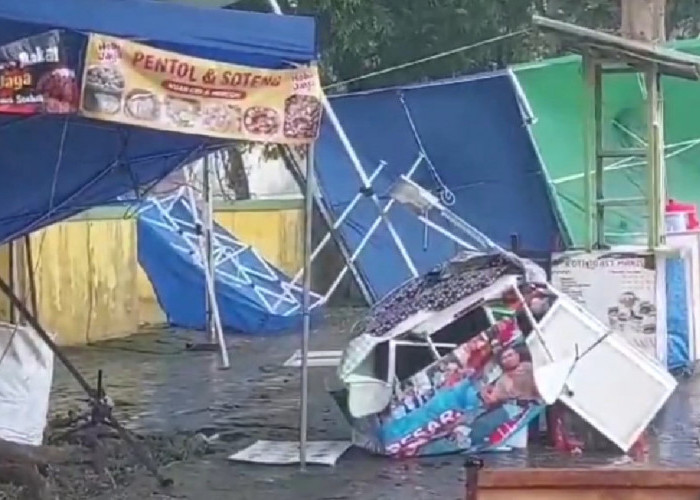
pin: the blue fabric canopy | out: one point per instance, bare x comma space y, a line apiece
475, 143
55, 166
249, 38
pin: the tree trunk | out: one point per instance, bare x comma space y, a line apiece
644, 20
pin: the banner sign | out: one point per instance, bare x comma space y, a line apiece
617, 288
473, 399
35, 77
131, 83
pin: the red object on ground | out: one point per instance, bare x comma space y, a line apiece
675, 207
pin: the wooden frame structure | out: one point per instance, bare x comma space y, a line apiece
603, 54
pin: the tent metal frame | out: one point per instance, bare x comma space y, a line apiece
605, 54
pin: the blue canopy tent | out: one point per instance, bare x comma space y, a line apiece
465, 139
55, 166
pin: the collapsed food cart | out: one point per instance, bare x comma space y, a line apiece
463, 358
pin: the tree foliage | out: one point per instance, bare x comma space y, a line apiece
362, 36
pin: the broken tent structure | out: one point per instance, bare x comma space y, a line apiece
465, 139
254, 296
58, 165
553, 89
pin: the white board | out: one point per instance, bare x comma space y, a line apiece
316, 359
615, 388
619, 288
287, 452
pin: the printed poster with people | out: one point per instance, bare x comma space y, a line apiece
135, 84
475, 398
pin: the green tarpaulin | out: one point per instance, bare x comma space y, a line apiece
554, 89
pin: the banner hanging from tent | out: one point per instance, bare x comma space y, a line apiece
136, 84
35, 76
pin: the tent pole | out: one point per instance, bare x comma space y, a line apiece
31, 276
208, 279
333, 227
208, 229
274, 5
11, 274
306, 304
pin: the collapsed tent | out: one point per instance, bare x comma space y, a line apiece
553, 89
466, 140
57, 165
254, 297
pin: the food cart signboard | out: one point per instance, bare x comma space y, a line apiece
35, 76
135, 84
619, 288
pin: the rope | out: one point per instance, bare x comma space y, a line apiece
446, 196
434, 57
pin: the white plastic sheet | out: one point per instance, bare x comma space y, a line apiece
26, 373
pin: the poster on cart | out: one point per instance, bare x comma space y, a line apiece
36, 77
135, 84
619, 289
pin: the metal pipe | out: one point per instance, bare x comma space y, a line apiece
326, 214
357, 164
31, 275
11, 273
599, 160
208, 246
368, 235
338, 222
306, 305
208, 278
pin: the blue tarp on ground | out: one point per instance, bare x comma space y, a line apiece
55, 166
253, 296
474, 133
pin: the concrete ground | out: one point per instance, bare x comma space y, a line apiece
169, 395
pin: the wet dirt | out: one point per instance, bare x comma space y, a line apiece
172, 397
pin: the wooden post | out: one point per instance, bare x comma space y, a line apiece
644, 20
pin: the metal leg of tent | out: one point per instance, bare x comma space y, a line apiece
208, 279
367, 185
328, 218
208, 247
357, 164
370, 232
11, 272
445, 233
306, 304
31, 276
334, 228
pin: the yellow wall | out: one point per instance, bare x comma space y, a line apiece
85, 274
90, 286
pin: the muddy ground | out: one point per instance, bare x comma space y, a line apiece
173, 397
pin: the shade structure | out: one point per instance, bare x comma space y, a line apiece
554, 89
55, 166
466, 140
254, 297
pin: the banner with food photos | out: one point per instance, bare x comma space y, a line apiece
36, 76
135, 84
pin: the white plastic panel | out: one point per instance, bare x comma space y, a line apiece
616, 388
